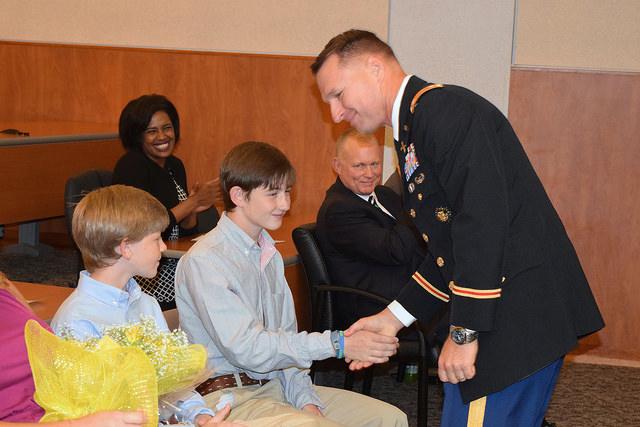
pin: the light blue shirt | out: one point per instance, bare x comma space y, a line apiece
93, 306
233, 298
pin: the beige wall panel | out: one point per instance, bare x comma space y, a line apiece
591, 34
260, 26
464, 43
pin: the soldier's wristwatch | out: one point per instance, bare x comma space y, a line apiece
460, 335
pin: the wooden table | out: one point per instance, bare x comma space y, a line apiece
55, 131
43, 299
40, 164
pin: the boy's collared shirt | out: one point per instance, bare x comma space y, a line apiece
234, 299
95, 305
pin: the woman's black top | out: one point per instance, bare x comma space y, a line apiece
137, 170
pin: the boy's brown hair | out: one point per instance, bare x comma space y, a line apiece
107, 216
252, 165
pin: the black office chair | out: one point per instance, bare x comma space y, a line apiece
207, 220
323, 317
79, 186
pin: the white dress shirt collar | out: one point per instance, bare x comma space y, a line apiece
366, 199
395, 111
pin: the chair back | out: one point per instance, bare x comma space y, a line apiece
207, 220
75, 189
315, 269
412, 349
79, 186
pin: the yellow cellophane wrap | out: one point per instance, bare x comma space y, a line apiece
72, 381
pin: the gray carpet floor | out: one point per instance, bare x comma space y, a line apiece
586, 395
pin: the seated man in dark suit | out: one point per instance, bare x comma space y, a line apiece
363, 233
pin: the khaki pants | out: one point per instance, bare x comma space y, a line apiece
265, 406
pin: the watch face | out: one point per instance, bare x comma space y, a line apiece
458, 336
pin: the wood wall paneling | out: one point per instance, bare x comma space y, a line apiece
581, 131
223, 99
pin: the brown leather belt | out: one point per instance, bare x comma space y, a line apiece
226, 381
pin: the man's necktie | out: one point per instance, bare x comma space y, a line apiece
374, 202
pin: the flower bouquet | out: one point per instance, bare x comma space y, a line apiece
127, 369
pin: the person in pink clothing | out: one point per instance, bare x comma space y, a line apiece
16, 383
17, 406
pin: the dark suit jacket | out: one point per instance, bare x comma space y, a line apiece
510, 269
366, 248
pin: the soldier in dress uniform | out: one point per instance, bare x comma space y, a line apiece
518, 298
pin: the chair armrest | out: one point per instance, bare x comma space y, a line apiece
349, 290
421, 341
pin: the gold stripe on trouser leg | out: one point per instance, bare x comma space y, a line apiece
476, 412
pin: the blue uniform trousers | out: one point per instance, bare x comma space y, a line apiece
522, 404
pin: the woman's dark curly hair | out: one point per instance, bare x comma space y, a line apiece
136, 115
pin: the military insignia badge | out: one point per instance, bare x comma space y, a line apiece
443, 214
410, 162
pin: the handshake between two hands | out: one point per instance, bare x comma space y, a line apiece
371, 340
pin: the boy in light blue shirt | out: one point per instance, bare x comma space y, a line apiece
117, 230
234, 299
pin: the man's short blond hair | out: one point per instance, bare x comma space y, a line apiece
107, 216
362, 138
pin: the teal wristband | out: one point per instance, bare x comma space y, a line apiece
335, 342
341, 345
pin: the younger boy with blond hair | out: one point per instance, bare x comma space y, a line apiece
117, 230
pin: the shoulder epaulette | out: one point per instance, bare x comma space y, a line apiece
421, 92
